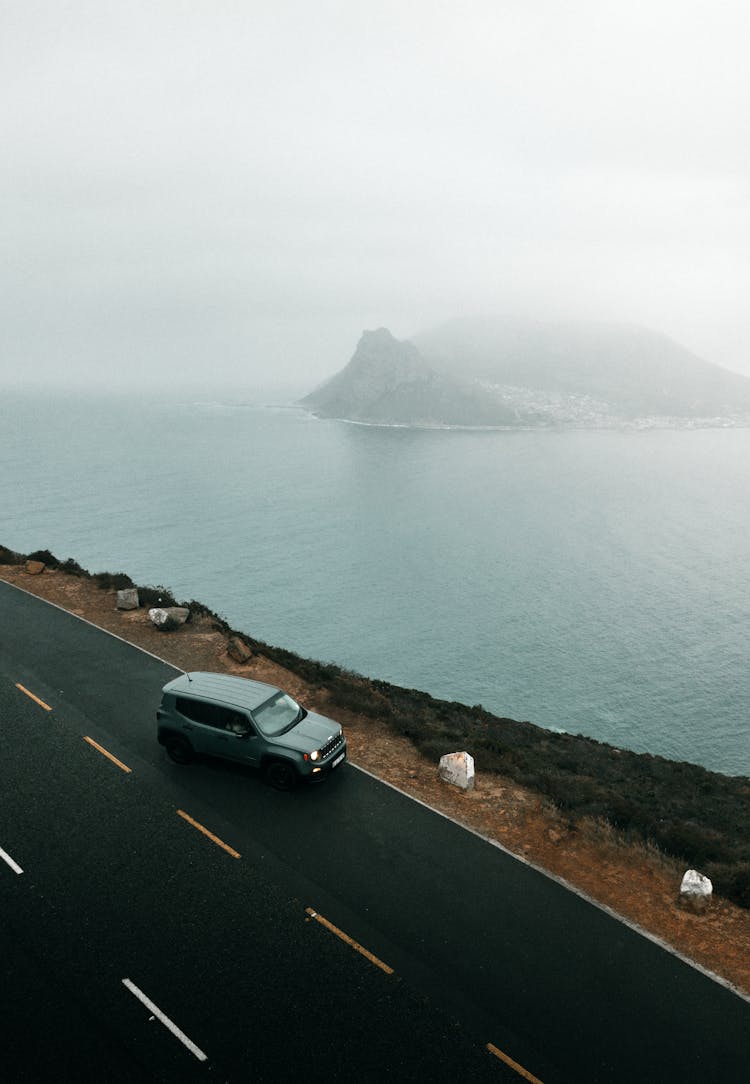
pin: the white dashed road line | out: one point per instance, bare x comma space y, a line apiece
13, 865
195, 1050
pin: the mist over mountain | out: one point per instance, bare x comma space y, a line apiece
633, 370
481, 372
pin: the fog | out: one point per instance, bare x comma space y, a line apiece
227, 193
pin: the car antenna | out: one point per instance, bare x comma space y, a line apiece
187, 675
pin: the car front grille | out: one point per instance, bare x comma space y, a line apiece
332, 745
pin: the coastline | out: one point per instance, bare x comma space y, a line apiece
634, 881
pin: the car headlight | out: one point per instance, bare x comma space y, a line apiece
315, 755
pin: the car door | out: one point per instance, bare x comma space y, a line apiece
218, 731
234, 736
197, 723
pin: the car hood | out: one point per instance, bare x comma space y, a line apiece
311, 733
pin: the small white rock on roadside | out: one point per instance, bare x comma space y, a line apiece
696, 892
168, 618
458, 770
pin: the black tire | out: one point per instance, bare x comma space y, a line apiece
179, 749
281, 774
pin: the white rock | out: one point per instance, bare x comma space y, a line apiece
458, 769
696, 891
168, 617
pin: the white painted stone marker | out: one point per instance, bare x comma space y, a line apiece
696, 891
457, 769
168, 618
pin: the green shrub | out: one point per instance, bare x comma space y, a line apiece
112, 581
732, 881
358, 697
72, 568
45, 557
156, 596
197, 609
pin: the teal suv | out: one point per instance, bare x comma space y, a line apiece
250, 722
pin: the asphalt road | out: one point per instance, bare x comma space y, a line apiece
133, 946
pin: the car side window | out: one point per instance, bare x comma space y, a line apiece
234, 721
214, 715
198, 711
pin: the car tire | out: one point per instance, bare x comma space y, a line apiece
281, 774
179, 750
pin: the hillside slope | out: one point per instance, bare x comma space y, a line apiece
635, 371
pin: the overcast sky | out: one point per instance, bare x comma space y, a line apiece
198, 191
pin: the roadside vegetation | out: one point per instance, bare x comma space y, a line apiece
699, 817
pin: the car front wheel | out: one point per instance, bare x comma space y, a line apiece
281, 774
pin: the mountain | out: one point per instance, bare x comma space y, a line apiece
505, 373
389, 382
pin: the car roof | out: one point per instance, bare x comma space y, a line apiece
223, 688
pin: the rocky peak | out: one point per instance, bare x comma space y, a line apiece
384, 357
389, 382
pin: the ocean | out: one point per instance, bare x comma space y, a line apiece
592, 581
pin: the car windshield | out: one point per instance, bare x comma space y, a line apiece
278, 714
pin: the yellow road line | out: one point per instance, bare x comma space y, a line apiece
211, 836
34, 698
350, 941
513, 1064
109, 756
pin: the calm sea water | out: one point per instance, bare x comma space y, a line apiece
596, 582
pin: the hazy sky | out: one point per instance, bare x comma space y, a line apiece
226, 190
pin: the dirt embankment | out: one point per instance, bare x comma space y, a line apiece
635, 881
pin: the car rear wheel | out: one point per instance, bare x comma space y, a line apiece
281, 774
179, 750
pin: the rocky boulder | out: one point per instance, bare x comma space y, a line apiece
168, 618
238, 650
696, 891
457, 769
34, 568
128, 599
